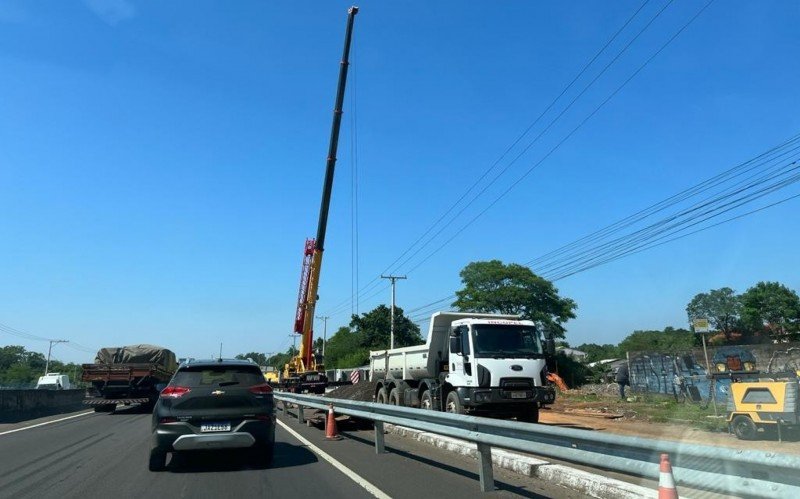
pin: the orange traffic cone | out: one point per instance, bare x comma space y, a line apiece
666, 482
331, 433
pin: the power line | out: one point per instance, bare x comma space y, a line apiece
669, 229
709, 204
644, 232
681, 236
354, 187
21, 334
560, 143
666, 203
371, 284
546, 129
709, 213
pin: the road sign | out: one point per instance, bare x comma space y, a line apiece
701, 326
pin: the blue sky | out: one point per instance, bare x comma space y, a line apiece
161, 163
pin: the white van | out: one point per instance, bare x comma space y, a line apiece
53, 381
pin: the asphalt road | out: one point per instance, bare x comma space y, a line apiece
103, 455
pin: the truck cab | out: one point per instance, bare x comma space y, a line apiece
53, 381
497, 365
483, 364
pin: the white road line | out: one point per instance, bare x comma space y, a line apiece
46, 423
375, 491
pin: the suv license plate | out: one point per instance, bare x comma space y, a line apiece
518, 395
312, 378
211, 427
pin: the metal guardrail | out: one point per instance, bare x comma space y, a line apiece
724, 470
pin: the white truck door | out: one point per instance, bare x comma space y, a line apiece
461, 360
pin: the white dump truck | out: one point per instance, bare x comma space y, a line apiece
482, 364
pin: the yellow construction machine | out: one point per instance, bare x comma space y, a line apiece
762, 402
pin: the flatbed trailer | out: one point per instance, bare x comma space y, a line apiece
125, 384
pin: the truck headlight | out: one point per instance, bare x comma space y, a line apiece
482, 396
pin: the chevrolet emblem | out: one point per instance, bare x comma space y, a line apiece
217, 392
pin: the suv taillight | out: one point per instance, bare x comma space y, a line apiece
262, 389
174, 391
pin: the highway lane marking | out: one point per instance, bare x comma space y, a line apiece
375, 491
46, 423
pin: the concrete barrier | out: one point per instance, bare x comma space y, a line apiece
19, 405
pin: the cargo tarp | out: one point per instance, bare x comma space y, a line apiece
137, 354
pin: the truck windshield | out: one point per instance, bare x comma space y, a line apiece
495, 340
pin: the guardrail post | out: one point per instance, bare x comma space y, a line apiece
485, 471
380, 446
301, 418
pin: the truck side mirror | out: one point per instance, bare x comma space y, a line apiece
455, 344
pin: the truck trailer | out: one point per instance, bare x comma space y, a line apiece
127, 375
482, 364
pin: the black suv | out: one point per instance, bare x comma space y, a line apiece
214, 404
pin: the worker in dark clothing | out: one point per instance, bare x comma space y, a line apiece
622, 379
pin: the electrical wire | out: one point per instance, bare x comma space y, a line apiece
376, 280
21, 334
535, 140
708, 184
564, 139
638, 234
560, 143
675, 226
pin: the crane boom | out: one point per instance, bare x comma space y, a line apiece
312, 259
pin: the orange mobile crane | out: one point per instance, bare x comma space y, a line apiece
304, 373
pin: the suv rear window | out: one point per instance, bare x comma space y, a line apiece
218, 376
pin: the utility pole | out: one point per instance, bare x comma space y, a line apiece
294, 340
392, 278
324, 320
50, 349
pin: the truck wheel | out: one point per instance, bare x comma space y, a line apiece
382, 397
744, 428
529, 415
453, 404
158, 460
394, 397
426, 402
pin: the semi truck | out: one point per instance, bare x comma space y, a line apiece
127, 375
471, 363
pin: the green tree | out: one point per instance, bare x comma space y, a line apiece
10, 355
258, 358
722, 307
493, 287
374, 328
20, 374
595, 352
773, 307
279, 360
670, 340
343, 343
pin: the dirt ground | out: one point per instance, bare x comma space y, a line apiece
611, 415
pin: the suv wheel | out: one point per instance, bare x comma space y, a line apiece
158, 460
